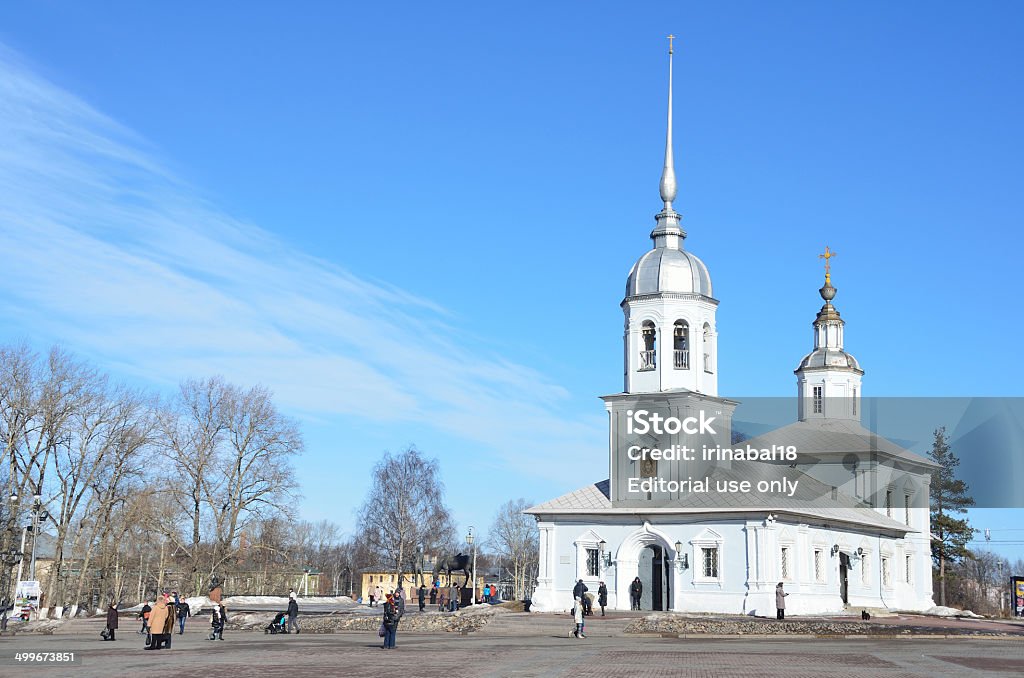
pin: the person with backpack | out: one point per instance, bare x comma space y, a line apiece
293, 613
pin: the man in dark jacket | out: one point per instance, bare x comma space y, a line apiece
183, 612
602, 597
422, 596
636, 591
111, 621
293, 613
580, 591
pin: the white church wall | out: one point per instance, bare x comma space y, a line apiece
748, 566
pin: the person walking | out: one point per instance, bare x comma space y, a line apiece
111, 621
422, 596
577, 614
433, 594
168, 629
780, 602
442, 602
183, 611
636, 591
293, 614
157, 621
602, 597
487, 593
390, 621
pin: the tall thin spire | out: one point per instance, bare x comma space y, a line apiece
668, 173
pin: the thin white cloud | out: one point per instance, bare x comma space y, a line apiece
104, 247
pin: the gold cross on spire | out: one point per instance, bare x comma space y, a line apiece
828, 265
670, 39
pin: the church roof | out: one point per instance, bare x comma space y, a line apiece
668, 269
834, 437
810, 501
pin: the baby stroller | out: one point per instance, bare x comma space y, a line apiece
279, 625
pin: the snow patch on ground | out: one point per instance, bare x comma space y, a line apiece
940, 611
203, 603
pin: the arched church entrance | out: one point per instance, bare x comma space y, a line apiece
844, 569
647, 555
653, 571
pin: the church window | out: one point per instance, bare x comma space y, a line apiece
681, 345
855, 401
906, 508
909, 569
819, 568
710, 561
888, 503
649, 353
818, 400
592, 563
886, 577
708, 358
784, 562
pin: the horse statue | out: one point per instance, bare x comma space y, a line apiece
452, 563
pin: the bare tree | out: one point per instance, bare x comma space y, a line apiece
190, 433
405, 509
515, 538
255, 464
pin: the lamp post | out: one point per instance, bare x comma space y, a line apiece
999, 566
472, 586
38, 516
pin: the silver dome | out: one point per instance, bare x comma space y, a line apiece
667, 269
828, 358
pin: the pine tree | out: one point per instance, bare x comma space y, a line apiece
949, 498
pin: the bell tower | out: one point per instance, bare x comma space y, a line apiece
670, 342
828, 378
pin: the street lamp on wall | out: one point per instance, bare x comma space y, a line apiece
682, 559
606, 557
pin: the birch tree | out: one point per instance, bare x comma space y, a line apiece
405, 508
514, 536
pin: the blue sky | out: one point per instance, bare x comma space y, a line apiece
413, 223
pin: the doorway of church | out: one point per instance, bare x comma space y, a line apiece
654, 575
844, 568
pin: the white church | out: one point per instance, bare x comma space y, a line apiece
856, 534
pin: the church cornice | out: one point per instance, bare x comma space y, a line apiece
830, 368
682, 296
